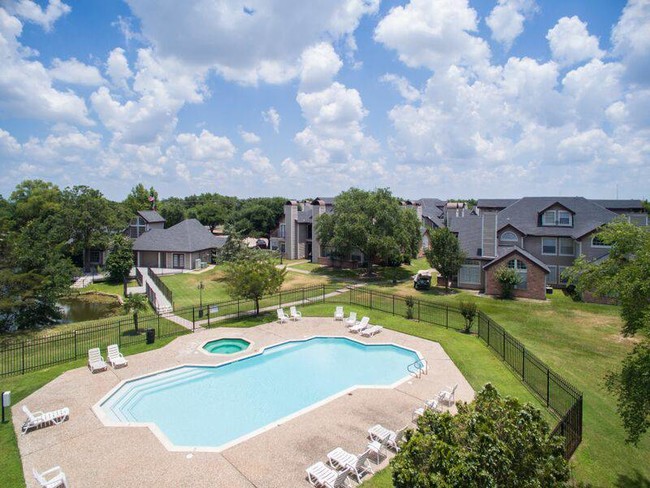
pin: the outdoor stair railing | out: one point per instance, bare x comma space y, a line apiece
418, 368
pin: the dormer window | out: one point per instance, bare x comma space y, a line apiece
509, 236
548, 218
564, 218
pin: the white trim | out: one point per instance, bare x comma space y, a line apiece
559, 246
598, 246
549, 253
552, 223
558, 218
503, 234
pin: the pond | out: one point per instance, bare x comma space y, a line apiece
89, 306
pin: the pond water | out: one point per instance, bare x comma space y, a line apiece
88, 307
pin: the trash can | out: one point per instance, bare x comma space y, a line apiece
151, 336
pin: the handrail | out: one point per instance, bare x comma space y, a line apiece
420, 366
164, 289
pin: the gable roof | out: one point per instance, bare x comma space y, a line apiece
151, 216
505, 252
498, 203
524, 213
620, 204
186, 236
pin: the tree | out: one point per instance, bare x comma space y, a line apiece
492, 441
373, 222
210, 213
444, 254
34, 199
508, 278
173, 211
624, 276
141, 199
257, 216
468, 310
253, 278
135, 304
120, 260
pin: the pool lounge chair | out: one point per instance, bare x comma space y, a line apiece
39, 419
96, 361
282, 317
371, 331
295, 315
448, 395
351, 320
320, 475
115, 357
386, 436
432, 404
362, 324
51, 478
338, 313
358, 465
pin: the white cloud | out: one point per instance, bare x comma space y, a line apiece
32, 12
249, 137
26, 86
433, 34
263, 44
117, 68
631, 40
272, 117
402, 85
571, 43
259, 163
75, 72
206, 147
319, 66
506, 20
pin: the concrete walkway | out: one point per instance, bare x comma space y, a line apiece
158, 300
94, 455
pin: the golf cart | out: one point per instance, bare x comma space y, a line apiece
422, 280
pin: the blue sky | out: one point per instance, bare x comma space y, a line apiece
432, 98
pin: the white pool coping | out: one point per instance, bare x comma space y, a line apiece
164, 440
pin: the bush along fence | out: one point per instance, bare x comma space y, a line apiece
562, 399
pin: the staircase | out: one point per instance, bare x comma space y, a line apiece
157, 299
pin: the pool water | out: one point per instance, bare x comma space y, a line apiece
226, 346
212, 406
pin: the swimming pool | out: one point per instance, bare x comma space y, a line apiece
213, 407
226, 346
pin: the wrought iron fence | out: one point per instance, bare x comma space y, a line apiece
164, 289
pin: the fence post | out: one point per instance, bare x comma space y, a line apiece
393, 304
370, 294
158, 319
193, 320
119, 336
238, 308
23, 347
488, 334
75, 344
418, 310
280, 299
504, 345
303, 296
323, 293
447, 316
523, 364
208, 307
548, 387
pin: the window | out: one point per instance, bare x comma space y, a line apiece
639, 220
551, 278
282, 230
567, 247
560, 270
522, 271
598, 242
470, 274
548, 218
94, 257
509, 236
549, 246
178, 260
564, 218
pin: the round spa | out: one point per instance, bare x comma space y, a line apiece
226, 346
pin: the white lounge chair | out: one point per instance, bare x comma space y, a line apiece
432, 404
386, 436
320, 475
51, 478
282, 317
95, 360
338, 313
295, 315
358, 465
362, 324
448, 395
371, 331
351, 320
115, 357
39, 419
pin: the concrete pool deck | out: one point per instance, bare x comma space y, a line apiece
92, 454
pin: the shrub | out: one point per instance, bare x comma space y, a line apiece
410, 303
468, 310
508, 279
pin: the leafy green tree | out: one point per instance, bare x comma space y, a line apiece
140, 199
374, 222
490, 442
469, 311
624, 276
444, 254
35, 199
120, 261
135, 304
253, 278
257, 216
173, 211
210, 213
508, 279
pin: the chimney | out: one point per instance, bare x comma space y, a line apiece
489, 233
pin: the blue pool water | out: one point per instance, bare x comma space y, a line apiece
209, 406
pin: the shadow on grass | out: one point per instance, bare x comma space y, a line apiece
636, 480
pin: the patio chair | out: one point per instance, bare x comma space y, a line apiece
96, 361
351, 320
39, 419
115, 357
295, 315
51, 478
371, 331
282, 317
386, 436
358, 465
448, 395
338, 313
432, 404
362, 324
320, 475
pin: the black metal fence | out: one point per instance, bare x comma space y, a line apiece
138, 276
561, 398
164, 289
